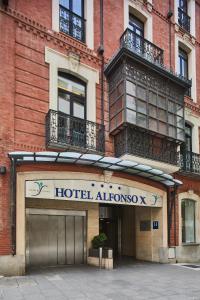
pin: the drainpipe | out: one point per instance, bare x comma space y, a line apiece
101, 53
169, 15
171, 204
13, 204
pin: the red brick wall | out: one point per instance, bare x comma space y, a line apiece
24, 77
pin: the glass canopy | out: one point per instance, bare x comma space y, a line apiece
104, 162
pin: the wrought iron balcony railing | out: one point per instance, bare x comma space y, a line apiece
72, 24
141, 46
134, 141
189, 162
66, 131
183, 19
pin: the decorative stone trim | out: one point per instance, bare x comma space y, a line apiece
60, 39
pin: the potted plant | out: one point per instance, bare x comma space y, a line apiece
97, 242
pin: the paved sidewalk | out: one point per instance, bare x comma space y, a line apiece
127, 282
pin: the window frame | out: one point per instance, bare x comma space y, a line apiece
75, 97
183, 235
183, 56
70, 20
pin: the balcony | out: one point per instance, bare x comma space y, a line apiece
72, 24
68, 132
142, 47
133, 141
189, 162
183, 20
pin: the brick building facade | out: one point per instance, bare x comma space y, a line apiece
99, 94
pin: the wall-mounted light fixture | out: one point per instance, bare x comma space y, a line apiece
169, 14
2, 170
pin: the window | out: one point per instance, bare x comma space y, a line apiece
136, 25
72, 21
188, 221
186, 149
71, 110
137, 28
183, 67
183, 63
154, 111
183, 18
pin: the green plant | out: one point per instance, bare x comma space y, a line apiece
99, 240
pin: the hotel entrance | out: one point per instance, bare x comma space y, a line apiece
119, 225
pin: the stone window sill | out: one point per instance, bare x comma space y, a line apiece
190, 244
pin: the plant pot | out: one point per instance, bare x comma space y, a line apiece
106, 252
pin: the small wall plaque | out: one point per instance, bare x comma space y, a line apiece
155, 225
145, 225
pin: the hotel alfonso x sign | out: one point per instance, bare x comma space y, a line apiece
91, 191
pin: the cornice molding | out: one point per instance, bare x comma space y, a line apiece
59, 39
192, 106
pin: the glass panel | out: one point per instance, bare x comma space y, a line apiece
152, 98
77, 7
179, 110
188, 221
79, 110
152, 111
171, 107
71, 86
161, 102
180, 134
141, 107
141, 93
130, 88
162, 115
63, 105
172, 131
130, 102
153, 124
162, 128
64, 3
141, 120
180, 122
63, 102
131, 116
171, 119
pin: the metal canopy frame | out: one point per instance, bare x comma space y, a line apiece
104, 162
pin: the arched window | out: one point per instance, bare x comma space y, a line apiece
188, 221
71, 110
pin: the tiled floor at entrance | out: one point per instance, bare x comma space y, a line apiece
136, 280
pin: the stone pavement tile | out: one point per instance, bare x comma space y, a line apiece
33, 297
26, 281
8, 282
12, 292
52, 292
26, 290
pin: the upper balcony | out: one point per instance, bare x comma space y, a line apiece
142, 47
189, 163
183, 19
67, 132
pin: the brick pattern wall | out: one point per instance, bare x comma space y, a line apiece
25, 30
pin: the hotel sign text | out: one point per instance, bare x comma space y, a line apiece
91, 191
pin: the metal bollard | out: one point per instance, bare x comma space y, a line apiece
100, 257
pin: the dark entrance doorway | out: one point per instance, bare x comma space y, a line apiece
118, 223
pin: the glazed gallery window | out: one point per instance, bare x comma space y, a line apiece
188, 221
71, 18
71, 110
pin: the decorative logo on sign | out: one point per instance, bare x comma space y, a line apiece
39, 187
